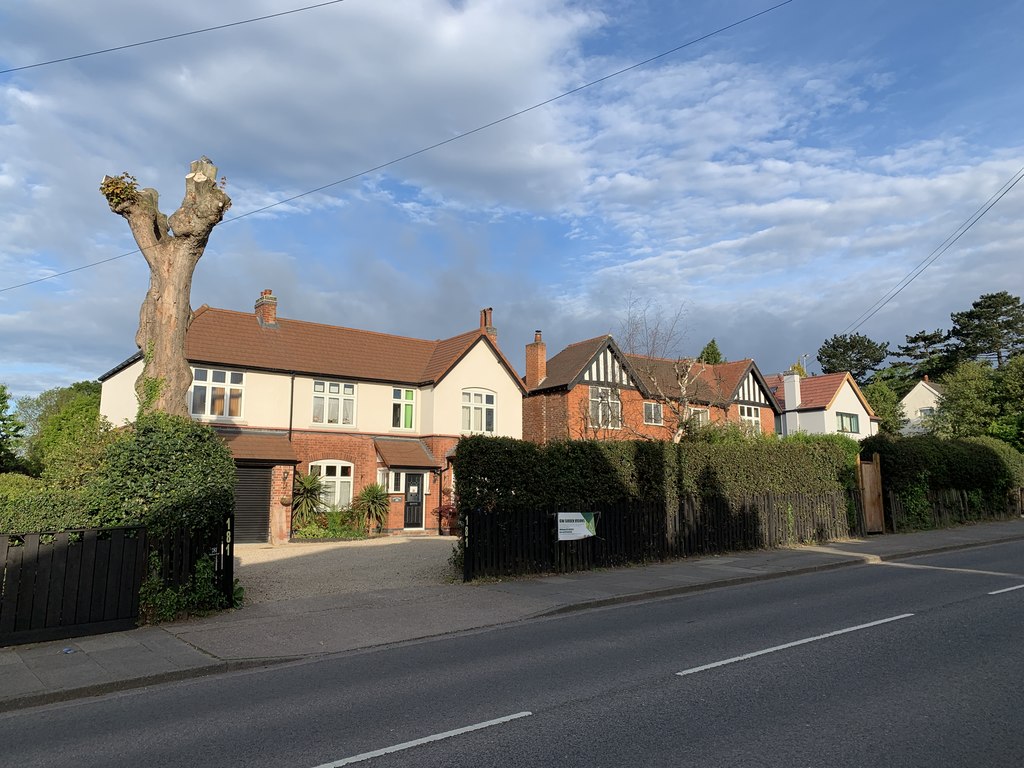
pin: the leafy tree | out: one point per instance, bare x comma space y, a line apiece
711, 354
992, 329
855, 353
60, 420
967, 407
1009, 399
886, 404
10, 434
798, 368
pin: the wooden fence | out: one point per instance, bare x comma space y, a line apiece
76, 582
948, 507
86, 581
522, 541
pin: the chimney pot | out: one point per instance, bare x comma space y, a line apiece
487, 323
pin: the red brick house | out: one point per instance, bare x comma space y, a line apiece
592, 390
352, 406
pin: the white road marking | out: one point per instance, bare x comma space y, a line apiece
1007, 589
424, 740
773, 649
952, 570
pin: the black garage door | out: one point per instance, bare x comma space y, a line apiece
252, 505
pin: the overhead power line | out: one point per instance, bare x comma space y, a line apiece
417, 152
170, 37
930, 259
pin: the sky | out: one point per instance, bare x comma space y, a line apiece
770, 183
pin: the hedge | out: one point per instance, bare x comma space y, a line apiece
493, 473
28, 505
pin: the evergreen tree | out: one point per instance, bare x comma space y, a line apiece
900, 377
929, 353
10, 434
711, 354
855, 353
992, 329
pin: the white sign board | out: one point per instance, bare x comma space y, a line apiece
576, 525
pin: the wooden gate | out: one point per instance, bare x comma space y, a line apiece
869, 478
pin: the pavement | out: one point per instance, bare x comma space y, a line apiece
279, 631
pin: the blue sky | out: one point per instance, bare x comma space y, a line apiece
771, 182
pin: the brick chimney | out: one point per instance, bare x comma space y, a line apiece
487, 324
536, 361
266, 309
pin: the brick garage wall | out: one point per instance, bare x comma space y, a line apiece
281, 477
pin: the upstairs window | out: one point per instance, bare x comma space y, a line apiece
216, 393
605, 408
848, 422
403, 403
478, 410
702, 416
652, 413
334, 402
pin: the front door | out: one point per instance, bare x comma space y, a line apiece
413, 499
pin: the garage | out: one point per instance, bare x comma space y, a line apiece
252, 504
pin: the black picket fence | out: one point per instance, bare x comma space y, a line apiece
948, 507
521, 541
86, 580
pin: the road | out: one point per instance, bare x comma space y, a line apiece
914, 663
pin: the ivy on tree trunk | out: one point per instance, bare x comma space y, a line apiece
172, 246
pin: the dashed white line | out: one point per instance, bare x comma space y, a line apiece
1007, 589
425, 740
773, 649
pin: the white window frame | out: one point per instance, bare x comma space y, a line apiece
605, 410
750, 416
653, 413
393, 480
329, 390
205, 380
476, 409
701, 416
852, 419
337, 480
403, 400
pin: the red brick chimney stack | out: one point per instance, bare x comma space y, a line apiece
536, 361
487, 324
266, 309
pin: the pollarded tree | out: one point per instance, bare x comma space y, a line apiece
855, 353
172, 246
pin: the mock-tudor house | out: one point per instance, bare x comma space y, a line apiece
592, 390
352, 406
919, 404
819, 405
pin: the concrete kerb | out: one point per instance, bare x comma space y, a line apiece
855, 558
114, 686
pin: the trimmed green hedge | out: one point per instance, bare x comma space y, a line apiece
502, 472
28, 505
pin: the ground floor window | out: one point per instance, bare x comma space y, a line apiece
336, 479
848, 422
750, 415
393, 480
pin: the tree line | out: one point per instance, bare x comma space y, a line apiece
978, 363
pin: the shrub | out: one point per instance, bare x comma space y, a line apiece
307, 499
166, 472
28, 505
373, 504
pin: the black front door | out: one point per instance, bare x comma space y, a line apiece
413, 499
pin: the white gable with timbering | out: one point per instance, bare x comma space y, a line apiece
608, 369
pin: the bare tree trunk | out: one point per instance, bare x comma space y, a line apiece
172, 246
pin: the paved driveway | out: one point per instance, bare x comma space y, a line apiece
296, 570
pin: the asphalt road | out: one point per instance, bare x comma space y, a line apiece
905, 664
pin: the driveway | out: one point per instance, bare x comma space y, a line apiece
297, 570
